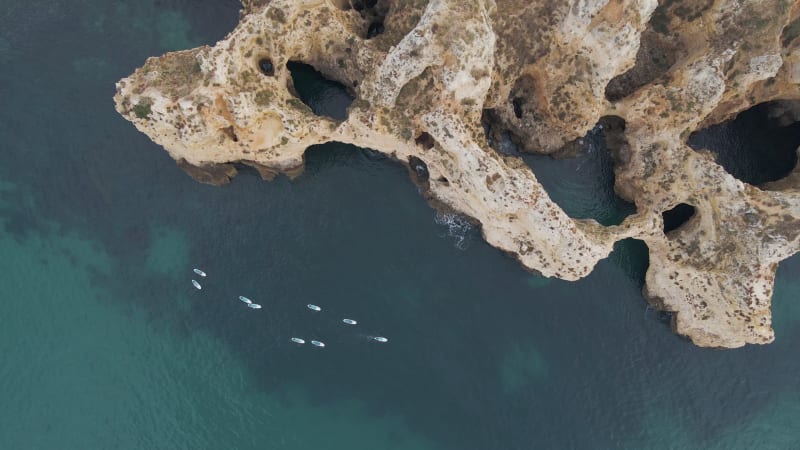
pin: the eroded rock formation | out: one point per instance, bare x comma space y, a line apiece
425, 73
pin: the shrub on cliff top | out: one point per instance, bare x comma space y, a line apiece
142, 109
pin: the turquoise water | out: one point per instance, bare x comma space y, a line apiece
105, 343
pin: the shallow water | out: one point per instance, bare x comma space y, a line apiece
106, 344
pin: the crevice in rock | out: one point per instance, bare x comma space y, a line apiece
614, 134
375, 29
497, 137
790, 32
524, 90
266, 67
344, 5
685, 10
620, 150
759, 145
677, 216
425, 141
363, 5
657, 53
230, 133
517, 103
322, 95
372, 11
419, 170
512, 121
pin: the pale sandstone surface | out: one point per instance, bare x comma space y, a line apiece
545, 71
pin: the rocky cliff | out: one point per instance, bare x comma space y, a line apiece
428, 74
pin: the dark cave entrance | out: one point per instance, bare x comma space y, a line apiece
325, 97
757, 146
372, 11
677, 216
266, 67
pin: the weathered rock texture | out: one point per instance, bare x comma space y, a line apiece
545, 71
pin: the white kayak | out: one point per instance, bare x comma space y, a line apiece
298, 341
313, 307
318, 343
254, 306
245, 299
196, 284
349, 321
199, 272
380, 339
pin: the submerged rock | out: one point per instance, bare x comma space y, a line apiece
425, 74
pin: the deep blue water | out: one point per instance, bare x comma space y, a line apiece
105, 343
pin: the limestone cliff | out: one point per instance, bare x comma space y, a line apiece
426, 73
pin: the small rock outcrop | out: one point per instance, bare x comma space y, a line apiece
425, 74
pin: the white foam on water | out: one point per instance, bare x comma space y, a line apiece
456, 227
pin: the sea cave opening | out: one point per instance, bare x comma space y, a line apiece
419, 170
425, 140
266, 67
325, 97
759, 145
375, 29
676, 217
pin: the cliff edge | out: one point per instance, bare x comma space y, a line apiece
428, 74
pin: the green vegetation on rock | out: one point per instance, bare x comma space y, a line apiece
142, 109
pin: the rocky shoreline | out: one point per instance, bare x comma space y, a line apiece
427, 74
